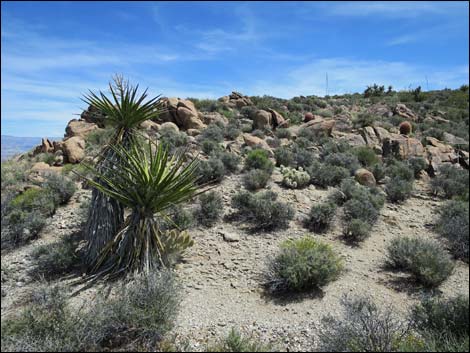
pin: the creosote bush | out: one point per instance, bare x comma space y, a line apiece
366, 156
320, 217
56, 259
398, 190
210, 208
236, 342
263, 210
230, 160
211, 170
363, 328
302, 264
258, 159
453, 225
451, 181
256, 179
425, 259
136, 319
325, 175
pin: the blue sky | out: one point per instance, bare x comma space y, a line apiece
52, 52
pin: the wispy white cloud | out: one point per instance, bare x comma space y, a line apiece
394, 9
347, 76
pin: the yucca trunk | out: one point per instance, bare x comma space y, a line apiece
106, 215
137, 247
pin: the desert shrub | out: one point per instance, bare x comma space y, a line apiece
256, 179
425, 259
96, 139
363, 328
232, 131
302, 264
212, 170
353, 190
230, 160
20, 226
320, 217
356, 230
210, 208
294, 178
213, 132
263, 210
363, 120
142, 311
173, 139
62, 188
443, 317
451, 182
324, 113
48, 158
379, 171
283, 133
35, 199
180, 218
324, 175
55, 259
210, 146
13, 173
401, 170
366, 156
453, 225
303, 157
258, 133
398, 190
258, 159
344, 160
417, 164
361, 208
333, 146
284, 156
236, 342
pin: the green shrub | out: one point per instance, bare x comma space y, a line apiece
356, 230
425, 259
230, 160
451, 182
210, 208
13, 173
283, 133
235, 342
263, 210
320, 217
444, 317
210, 146
302, 264
256, 179
379, 171
417, 164
366, 156
20, 226
62, 188
258, 159
344, 160
284, 156
258, 133
398, 190
213, 133
401, 170
173, 139
363, 120
142, 311
180, 218
324, 175
97, 139
453, 225
212, 170
55, 259
363, 328
303, 158
294, 178
360, 208
233, 130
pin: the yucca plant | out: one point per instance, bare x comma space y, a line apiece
124, 111
149, 181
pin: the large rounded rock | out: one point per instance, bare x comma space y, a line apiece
74, 149
365, 177
79, 128
262, 119
404, 112
256, 142
183, 113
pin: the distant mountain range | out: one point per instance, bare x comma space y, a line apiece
12, 145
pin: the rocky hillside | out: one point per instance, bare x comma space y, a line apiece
313, 200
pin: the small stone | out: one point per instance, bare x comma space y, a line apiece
230, 237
